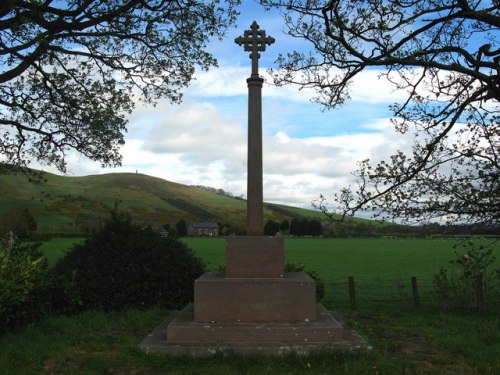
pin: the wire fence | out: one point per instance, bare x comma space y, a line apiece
379, 293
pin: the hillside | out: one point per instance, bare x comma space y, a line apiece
78, 204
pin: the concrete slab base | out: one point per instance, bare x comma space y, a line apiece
179, 335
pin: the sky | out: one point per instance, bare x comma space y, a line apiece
307, 151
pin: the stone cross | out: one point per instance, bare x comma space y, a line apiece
254, 41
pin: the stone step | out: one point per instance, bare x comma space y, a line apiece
323, 331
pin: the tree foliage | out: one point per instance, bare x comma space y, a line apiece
18, 221
181, 228
445, 55
70, 70
23, 273
271, 228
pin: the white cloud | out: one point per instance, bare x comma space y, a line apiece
370, 87
203, 140
195, 143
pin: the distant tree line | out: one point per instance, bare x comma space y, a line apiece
372, 229
314, 227
297, 227
219, 191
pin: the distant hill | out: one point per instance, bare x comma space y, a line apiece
78, 204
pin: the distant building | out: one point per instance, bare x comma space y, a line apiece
163, 232
203, 229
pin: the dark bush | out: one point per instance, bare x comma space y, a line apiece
128, 266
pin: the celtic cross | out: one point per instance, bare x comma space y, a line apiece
254, 41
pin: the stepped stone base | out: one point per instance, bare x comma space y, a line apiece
255, 307
179, 335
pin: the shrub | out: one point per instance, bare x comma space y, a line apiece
128, 266
23, 283
456, 288
320, 285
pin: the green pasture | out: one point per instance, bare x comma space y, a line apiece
57, 247
382, 268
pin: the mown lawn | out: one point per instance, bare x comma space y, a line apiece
57, 247
405, 340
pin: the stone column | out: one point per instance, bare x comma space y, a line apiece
255, 41
255, 225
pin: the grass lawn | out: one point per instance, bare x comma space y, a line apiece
57, 247
405, 340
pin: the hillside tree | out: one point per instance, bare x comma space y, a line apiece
445, 55
70, 71
181, 228
315, 228
285, 226
271, 228
18, 221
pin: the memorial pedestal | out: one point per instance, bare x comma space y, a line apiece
274, 313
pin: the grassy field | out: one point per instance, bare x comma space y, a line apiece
406, 340
382, 268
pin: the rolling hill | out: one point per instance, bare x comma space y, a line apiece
77, 204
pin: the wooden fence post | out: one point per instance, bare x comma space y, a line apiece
352, 293
414, 287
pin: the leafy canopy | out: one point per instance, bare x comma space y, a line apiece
445, 55
70, 70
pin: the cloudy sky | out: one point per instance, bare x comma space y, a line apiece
307, 152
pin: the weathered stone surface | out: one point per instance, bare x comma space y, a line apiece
179, 335
247, 300
255, 256
324, 329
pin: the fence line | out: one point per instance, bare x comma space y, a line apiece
355, 291
375, 291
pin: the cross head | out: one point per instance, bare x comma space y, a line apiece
254, 41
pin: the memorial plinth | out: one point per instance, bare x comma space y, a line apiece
255, 257
255, 306
273, 314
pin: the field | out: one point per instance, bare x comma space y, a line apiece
406, 340
382, 268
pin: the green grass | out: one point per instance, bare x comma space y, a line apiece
405, 340
382, 268
106, 343
57, 247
